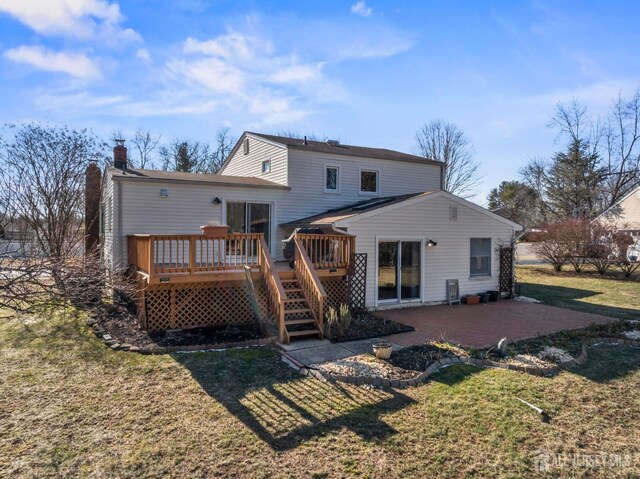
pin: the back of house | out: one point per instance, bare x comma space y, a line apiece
381, 209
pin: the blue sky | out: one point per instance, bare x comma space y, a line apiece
369, 73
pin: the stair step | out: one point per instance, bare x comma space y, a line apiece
304, 332
297, 311
288, 281
294, 300
293, 290
299, 321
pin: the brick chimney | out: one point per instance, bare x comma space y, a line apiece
120, 155
93, 184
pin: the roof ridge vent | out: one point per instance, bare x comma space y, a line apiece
333, 142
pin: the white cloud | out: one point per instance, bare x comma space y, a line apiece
75, 64
82, 19
361, 8
143, 54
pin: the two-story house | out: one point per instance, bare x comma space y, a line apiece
384, 209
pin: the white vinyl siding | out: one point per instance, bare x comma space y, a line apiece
449, 259
107, 204
186, 208
251, 164
628, 213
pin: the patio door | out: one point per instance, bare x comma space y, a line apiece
250, 218
399, 271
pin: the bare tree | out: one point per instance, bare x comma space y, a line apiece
223, 146
144, 144
42, 183
445, 142
187, 156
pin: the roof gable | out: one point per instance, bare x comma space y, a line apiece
426, 196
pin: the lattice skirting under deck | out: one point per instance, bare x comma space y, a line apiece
337, 292
183, 306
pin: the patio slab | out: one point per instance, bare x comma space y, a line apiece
483, 325
364, 346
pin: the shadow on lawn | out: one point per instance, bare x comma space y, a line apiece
569, 298
608, 363
285, 409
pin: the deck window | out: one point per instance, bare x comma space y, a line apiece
266, 166
480, 257
369, 182
331, 179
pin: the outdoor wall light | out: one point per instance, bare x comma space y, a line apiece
431, 243
217, 201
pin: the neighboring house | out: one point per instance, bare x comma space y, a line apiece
625, 216
381, 203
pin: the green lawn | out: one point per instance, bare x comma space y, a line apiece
69, 407
610, 295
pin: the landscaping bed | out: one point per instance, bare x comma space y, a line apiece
121, 327
419, 358
366, 326
365, 365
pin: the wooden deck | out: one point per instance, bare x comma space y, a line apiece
191, 280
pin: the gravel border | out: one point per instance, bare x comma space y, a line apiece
112, 343
446, 362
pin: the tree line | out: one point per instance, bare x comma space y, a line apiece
599, 164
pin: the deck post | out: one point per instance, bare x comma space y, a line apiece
151, 266
192, 254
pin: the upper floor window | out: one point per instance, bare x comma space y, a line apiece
266, 166
246, 146
331, 179
480, 257
369, 182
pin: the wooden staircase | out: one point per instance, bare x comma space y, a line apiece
299, 320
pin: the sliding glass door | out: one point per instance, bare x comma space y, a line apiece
250, 218
399, 270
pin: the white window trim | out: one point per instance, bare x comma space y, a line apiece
262, 172
490, 262
423, 258
326, 190
368, 193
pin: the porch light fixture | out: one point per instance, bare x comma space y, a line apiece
431, 243
217, 201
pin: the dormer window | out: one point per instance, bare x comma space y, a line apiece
331, 179
369, 182
266, 166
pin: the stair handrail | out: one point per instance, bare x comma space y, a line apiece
310, 283
275, 291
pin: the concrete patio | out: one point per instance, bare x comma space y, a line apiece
313, 351
483, 325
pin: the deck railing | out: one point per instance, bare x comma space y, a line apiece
274, 288
191, 254
328, 251
310, 283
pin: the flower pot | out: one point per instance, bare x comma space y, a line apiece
382, 350
484, 297
494, 295
471, 299
214, 231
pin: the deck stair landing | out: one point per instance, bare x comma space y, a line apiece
298, 319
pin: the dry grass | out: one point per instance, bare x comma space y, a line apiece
610, 295
71, 408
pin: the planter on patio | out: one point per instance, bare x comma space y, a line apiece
471, 299
494, 295
484, 297
214, 231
